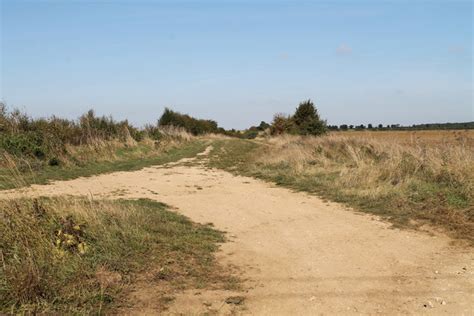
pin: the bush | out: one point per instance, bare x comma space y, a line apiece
46, 139
305, 121
153, 132
250, 134
189, 123
26, 144
263, 126
282, 124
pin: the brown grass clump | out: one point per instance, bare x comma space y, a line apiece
176, 133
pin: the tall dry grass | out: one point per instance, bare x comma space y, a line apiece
51, 249
97, 150
35, 143
417, 180
69, 255
97, 155
370, 163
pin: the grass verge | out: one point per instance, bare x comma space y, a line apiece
72, 255
409, 185
124, 159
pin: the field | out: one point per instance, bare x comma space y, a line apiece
92, 234
414, 137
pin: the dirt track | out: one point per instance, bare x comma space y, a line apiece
299, 255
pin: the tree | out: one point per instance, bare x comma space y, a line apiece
307, 120
189, 123
343, 127
263, 126
369, 126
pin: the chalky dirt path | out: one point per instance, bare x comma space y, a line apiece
297, 254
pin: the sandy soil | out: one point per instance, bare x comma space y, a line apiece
297, 254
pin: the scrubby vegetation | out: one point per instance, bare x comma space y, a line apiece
35, 150
189, 123
48, 140
305, 121
196, 126
409, 183
76, 256
124, 159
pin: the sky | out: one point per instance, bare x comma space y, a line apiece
240, 62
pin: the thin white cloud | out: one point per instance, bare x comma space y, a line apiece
344, 49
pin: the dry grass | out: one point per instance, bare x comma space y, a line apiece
176, 133
73, 255
369, 162
96, 157
97, 149
421, 179
413, 137
427, 179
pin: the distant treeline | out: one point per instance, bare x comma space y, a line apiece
305, 121
46, 138
197, 126
192, 125
398, 127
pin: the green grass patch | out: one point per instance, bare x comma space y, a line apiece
66, 255
230, 154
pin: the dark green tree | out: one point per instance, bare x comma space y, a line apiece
263, 126
307, 119
189, 123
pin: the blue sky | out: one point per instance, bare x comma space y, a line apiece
239, 62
